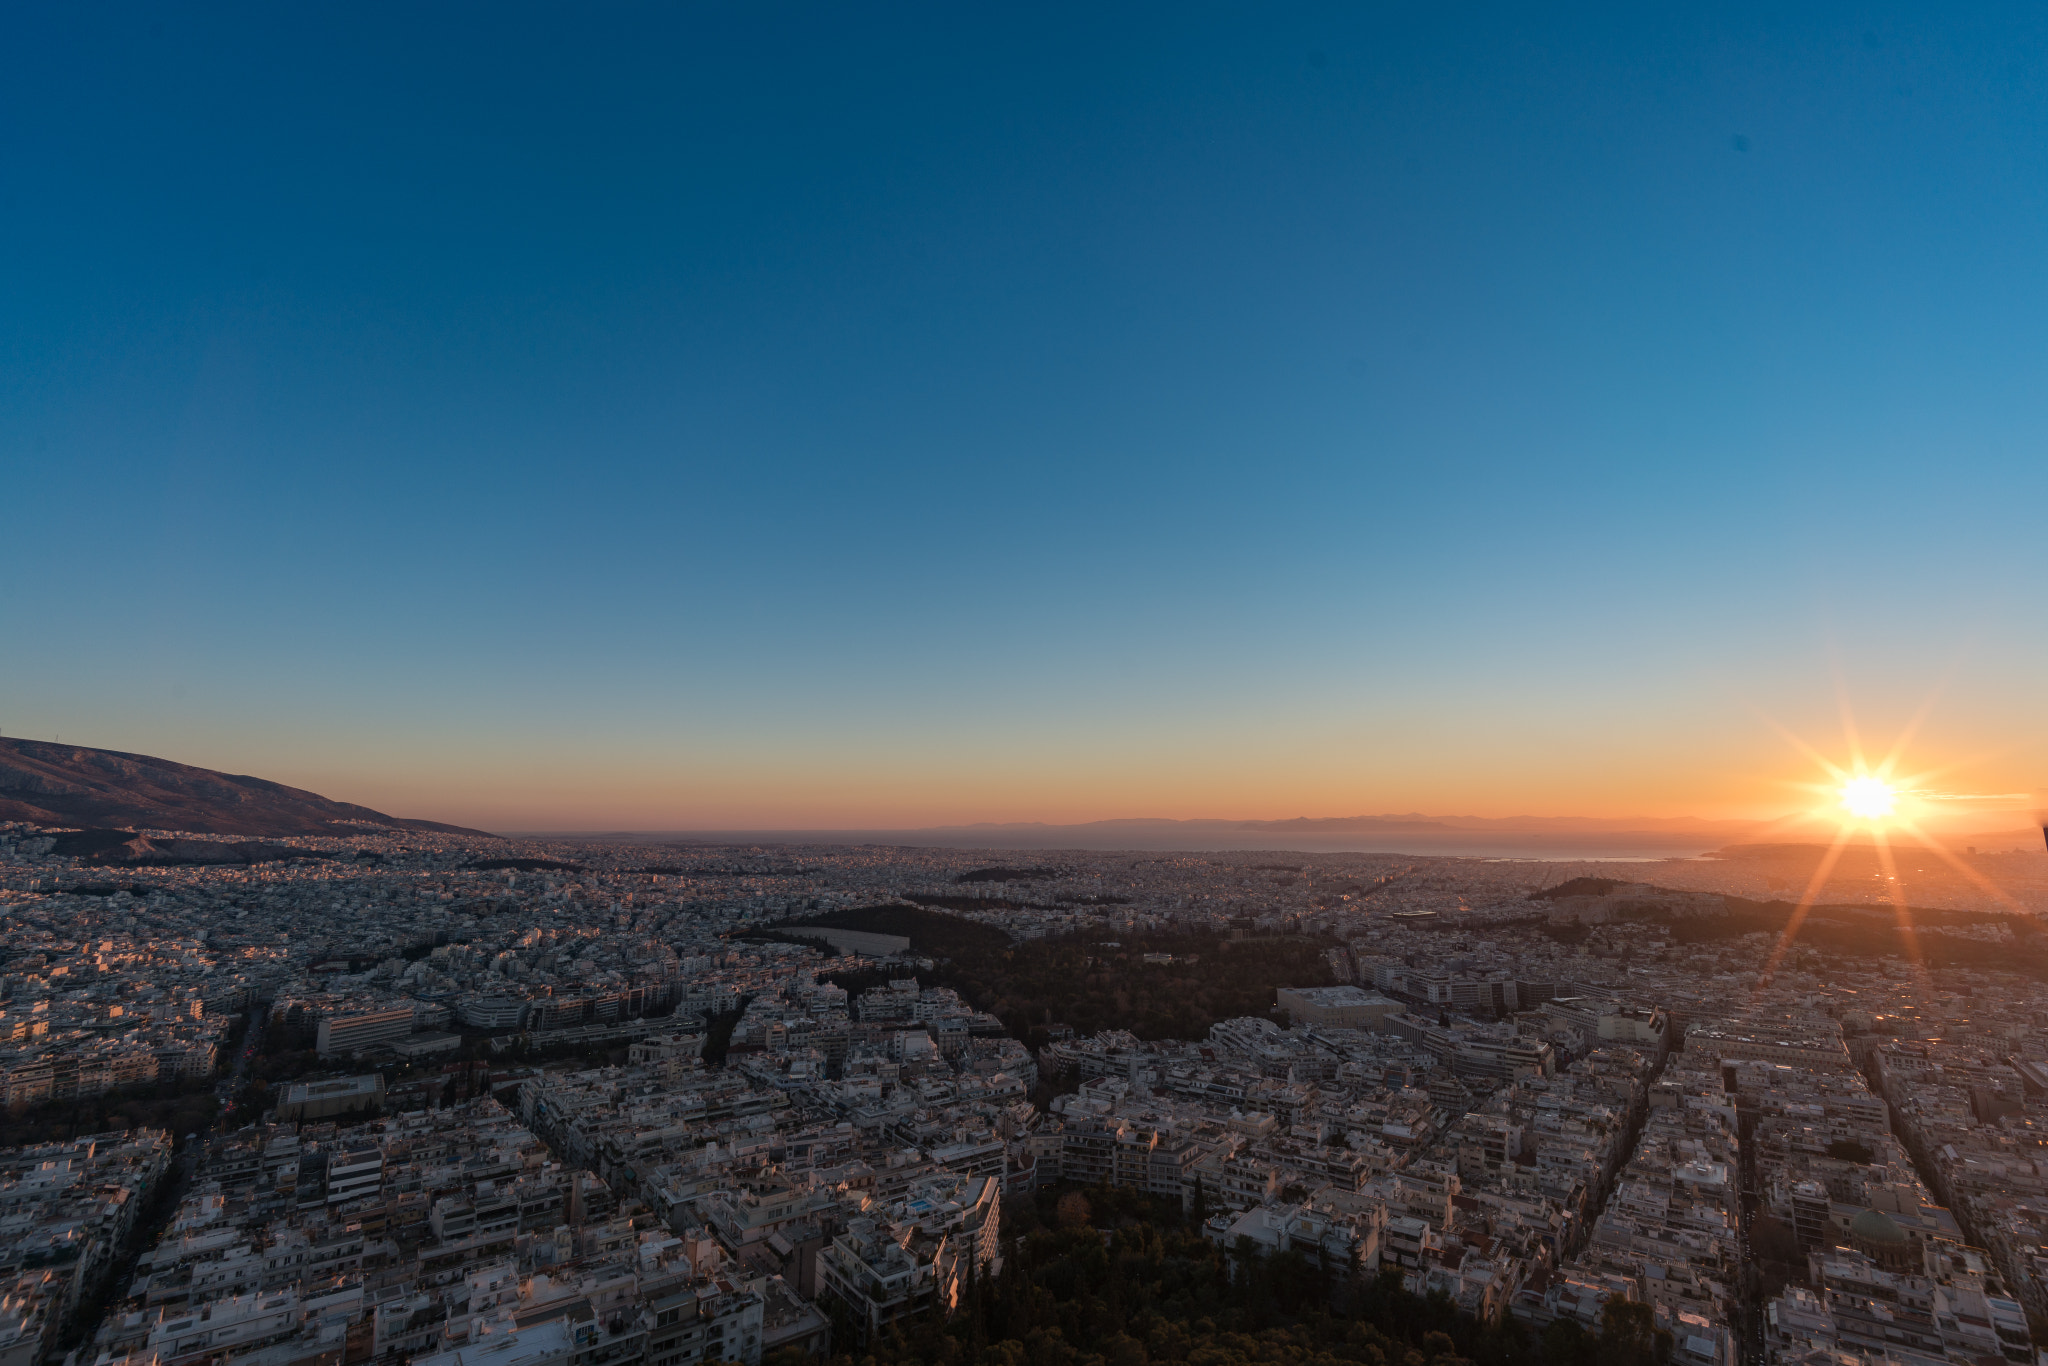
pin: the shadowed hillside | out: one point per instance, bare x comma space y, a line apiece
71, 785
1934, 936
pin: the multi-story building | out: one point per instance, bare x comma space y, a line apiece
915, 1254
347, 1035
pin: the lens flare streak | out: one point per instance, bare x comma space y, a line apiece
1874, 802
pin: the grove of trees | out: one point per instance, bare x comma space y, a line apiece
1112, 1278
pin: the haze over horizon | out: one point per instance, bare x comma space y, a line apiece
54, 784
744, 418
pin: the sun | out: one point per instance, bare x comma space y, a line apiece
1869, 799
1874, 804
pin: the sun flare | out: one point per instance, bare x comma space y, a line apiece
1873, 807
1869, 799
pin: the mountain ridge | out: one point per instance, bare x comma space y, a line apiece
50, 784
1562, 837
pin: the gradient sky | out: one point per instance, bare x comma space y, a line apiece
752, 415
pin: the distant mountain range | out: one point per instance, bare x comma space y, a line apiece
104, 790
1410, 833
71, 785
1549, 837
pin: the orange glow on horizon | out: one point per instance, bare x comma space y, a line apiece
1724, 777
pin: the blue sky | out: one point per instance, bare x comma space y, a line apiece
769, 415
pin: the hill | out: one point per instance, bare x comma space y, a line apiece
1546, 837
1936, 937
72, 785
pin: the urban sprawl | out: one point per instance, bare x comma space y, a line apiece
553, 1103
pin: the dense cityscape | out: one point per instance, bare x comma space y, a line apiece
1035, 685
413, 1096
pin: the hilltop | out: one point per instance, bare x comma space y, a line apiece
73, 785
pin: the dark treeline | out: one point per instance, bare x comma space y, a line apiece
718, 1028
1023, 900
522, 865
1875, 931
958, 902
1004, 874
930, 932
1860, 931
1112, 1278
1094, 980
1578, 886
180, 1106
